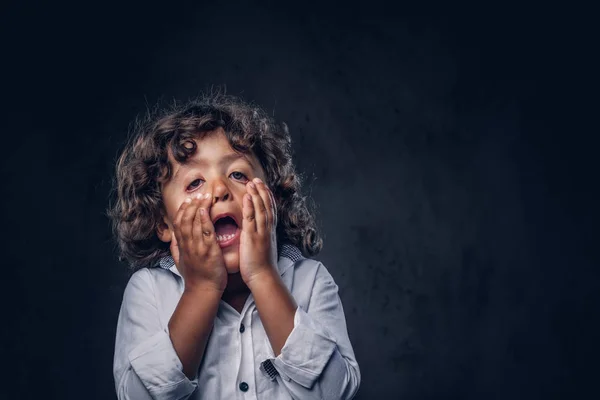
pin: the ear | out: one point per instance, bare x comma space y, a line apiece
164, 231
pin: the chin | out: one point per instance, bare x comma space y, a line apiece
232, 261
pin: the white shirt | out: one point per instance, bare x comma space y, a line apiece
316, 362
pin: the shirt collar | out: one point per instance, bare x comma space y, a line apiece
288, 255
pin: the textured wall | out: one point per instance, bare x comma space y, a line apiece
454, 209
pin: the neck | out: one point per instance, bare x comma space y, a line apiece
235, 284
236, 292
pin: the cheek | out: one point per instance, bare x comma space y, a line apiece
238, 193
172, 207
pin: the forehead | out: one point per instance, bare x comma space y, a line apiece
212, 149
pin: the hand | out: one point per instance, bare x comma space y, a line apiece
194, 246
258, 241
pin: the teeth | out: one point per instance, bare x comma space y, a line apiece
221, 238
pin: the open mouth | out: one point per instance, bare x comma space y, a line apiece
226, 230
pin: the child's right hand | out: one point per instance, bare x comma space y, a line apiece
194, 246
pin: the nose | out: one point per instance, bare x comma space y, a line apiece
220, 191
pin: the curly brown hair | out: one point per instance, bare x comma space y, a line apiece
143, 166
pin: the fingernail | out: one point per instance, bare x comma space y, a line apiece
199, 196
202, 211
207, 195
252, 185
188, 200
257, 180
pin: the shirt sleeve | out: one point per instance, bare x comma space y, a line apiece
317, 360
146, 365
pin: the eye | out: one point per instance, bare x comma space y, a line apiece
196, 183
238, 176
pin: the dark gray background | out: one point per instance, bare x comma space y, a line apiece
449, 150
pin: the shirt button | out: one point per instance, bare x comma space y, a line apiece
242, 329
244, 387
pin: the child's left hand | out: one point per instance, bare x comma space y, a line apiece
258, 241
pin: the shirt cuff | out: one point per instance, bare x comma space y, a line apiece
159, 368
306, 351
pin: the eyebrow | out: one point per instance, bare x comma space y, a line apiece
228, 159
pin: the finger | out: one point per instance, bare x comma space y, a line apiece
187, 220
249, 224
267, 200
273, 204
260, 211
178, 218
273, 207
208, 229
204, 230
174, 248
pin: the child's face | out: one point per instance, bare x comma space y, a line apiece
215, 168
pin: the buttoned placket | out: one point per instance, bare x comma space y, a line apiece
246, 380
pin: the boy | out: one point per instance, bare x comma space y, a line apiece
224, 302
